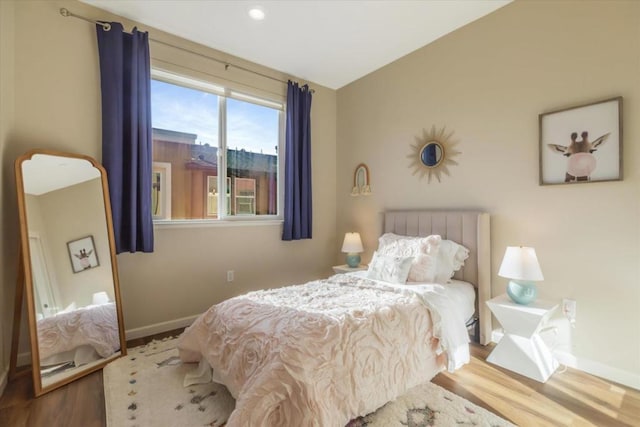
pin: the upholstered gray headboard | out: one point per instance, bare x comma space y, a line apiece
469, 228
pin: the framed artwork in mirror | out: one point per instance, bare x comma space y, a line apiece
433, 153
82, 253
582, 144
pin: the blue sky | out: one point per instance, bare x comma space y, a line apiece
249, 126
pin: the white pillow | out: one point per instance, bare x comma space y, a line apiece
408, 245
423, 250
423, 269
389, 268
451, 258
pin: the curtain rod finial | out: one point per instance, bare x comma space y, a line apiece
64, 12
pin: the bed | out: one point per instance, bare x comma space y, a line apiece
468, 227
328, 351
81, 335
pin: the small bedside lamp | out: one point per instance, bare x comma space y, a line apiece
352, 246
520, 264
100, 298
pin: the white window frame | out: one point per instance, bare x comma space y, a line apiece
224, 93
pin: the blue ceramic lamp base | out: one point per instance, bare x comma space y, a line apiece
522, 292
353, 260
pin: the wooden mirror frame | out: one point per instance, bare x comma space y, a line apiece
25, 279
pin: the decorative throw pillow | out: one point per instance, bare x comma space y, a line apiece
389, 268
408, 244
423, 269
451, 258
423, 250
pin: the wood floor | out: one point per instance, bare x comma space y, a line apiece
569, 398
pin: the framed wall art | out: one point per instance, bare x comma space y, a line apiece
582, 144
82, 253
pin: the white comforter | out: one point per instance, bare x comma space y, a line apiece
323, 353
94, 325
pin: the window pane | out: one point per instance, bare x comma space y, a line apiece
252, 153
213, 194
185, 136
187, 183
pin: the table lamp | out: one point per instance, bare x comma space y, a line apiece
100, 298
352, 246
520, 264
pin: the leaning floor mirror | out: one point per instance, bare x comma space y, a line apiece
70, 271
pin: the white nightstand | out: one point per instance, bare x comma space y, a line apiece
344, 268
521, 349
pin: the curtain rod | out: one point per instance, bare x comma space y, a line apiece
65, 12
107, 27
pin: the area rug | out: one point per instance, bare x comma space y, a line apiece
145, 388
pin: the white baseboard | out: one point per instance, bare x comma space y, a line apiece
610, 373
158, 328
598, 369
3, 379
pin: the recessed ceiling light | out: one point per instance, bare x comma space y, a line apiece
256, 13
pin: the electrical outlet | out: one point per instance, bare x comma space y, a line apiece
230, 275
569, 309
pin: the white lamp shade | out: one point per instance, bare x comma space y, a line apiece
352, 243
100, 298
520, 263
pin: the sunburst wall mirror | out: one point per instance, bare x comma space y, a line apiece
433, 153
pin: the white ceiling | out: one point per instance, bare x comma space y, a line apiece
44, 173
331, 43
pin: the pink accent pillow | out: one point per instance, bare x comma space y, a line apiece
423, 250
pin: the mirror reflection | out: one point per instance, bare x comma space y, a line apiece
431, 154
72, 287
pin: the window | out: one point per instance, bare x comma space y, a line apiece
212, 196
207, 141
245, 196
161, 190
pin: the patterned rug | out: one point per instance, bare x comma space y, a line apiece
145, 388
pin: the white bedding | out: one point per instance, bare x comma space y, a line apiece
451, 304
462, 293
323, 353
94, 325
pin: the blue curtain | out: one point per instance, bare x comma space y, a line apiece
126, 134
297, 174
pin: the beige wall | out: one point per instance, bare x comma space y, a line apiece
57, 106
8, 225
64, 223
488, 82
